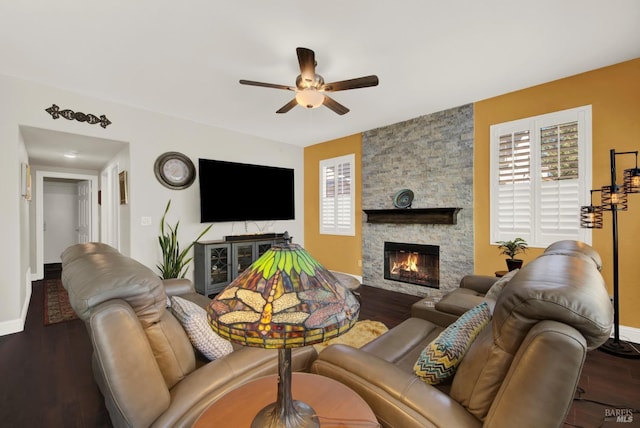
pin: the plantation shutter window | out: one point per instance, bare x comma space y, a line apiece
559, 178
540, 176
337, 216
514, 171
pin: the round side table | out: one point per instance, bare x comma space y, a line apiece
335, 404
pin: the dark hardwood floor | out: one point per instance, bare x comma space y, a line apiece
45, 374
46, 378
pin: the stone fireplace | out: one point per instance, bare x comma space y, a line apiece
412, 263
433, 156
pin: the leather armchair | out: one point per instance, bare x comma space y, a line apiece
521, 371
143, 362
456, 302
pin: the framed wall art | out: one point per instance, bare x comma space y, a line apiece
124, 194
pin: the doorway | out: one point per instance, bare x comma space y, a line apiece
56, 155
71, 204
66, 215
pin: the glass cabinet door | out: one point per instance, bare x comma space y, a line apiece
263, 247
219, 257
243, 257
217, 263
212, 266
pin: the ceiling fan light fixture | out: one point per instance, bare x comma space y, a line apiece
309, 98
310, 88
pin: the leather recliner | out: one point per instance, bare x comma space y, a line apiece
143, 362
471, 292
521, 371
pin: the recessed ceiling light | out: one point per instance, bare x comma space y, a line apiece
71, 155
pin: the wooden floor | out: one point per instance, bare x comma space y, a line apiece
46, 378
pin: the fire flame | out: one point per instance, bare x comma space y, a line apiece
410, 264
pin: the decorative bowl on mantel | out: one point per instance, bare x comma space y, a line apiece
403, 198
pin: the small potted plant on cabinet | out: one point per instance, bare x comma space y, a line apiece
511, 249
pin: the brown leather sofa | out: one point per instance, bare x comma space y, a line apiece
521, 371
144, 364
454, 303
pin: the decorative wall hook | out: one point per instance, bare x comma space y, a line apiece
55, 112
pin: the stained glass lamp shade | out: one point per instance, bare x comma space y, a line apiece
285, 299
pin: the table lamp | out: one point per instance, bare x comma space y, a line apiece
285, 299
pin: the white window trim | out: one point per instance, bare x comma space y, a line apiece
534, 236
331, 226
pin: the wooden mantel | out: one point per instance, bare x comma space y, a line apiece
413, 216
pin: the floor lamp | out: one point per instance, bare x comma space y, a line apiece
614, 199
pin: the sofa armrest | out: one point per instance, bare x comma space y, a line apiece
424, 309
178, 286
479, 283
125, 367
396, 397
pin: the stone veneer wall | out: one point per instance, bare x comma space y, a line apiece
433, 156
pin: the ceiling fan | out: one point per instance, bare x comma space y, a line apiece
310, 87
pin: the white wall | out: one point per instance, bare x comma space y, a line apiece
149, 135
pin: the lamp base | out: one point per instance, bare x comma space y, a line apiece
299, 415
619, 348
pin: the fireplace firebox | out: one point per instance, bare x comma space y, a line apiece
412, 263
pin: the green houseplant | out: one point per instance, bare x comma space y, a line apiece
511, 249
175, 261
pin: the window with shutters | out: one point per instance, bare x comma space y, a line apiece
540, 176
337, 216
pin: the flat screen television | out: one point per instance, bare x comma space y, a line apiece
231, 191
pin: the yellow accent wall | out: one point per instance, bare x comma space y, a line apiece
614, 93
339, 253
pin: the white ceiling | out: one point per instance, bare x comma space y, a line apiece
184, 58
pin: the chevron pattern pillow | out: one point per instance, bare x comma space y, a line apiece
439, 360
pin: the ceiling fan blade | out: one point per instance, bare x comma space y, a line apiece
335, 106
288, 106
360, 82
307, 61
266, 85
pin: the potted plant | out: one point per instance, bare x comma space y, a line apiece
511, 249
175, 262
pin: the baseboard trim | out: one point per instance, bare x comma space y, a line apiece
11, 326
358, 277
17, 325
629, 334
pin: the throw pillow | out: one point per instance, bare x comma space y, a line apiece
496, 288
439, 360
194, 321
